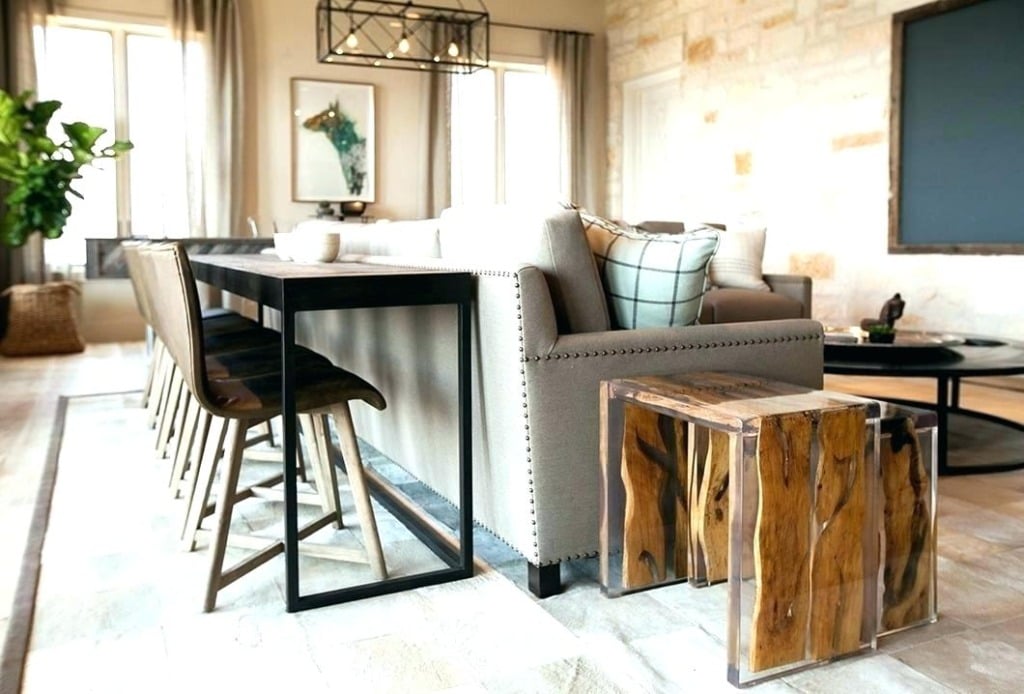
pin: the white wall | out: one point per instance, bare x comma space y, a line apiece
781, 115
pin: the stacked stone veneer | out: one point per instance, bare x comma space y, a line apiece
782, 118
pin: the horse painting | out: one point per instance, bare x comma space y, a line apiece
351, 148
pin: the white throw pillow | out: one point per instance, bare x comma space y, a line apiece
737, 264
651, 280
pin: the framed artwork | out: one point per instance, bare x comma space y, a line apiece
333, 142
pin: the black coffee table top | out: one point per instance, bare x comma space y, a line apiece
925, 354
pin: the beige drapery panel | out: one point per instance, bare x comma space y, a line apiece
213, 103
567, 60
438, 188
18, 74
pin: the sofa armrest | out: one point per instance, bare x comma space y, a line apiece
795, 287
785, 350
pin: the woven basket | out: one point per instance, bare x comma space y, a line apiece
41, 320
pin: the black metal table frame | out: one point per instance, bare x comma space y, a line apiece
291, 295
947, 402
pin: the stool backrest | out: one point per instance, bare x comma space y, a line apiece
170, 288
132, 259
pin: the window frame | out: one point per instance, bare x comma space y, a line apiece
119, 29
500, 68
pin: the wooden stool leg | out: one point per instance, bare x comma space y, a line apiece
151, 371
169, 412
329, 478
225, 506
193, 457
178, 419
360, 492
202, 482
314, 458
183, 447
156, 400
269, 431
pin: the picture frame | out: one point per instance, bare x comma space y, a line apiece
333, 141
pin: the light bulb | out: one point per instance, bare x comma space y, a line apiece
453, 49
403, 45
352, 41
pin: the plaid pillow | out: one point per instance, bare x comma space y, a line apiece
651, 280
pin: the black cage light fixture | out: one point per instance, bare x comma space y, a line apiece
448, 37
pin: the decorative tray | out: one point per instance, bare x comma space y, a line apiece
852, 344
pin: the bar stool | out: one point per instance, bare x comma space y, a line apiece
234, 345
225, 330
239, 402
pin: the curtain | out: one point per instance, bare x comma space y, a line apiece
438, 188
210, 35
439, 145
18, 74
567, 59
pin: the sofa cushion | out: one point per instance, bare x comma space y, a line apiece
737, 264
740, 305
547, 237
652, 280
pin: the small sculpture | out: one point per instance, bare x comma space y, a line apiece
892, 310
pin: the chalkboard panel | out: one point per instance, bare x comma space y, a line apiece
957, 137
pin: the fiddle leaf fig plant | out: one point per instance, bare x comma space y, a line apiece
38, 170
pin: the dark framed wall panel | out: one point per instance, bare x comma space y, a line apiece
957, 130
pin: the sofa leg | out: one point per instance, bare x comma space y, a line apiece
544, 581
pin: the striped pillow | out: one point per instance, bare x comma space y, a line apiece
737, 264
651, 280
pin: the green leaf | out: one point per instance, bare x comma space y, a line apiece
118, 147
82, 155
40, 170
42, 144
83, 136
42, 112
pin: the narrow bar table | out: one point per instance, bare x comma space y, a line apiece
293, 287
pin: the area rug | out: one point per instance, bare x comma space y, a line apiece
112, 604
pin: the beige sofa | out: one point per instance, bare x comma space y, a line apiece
541, 345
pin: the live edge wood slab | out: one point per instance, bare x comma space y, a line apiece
713, 476
908, 503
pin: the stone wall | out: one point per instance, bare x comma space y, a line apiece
782, 119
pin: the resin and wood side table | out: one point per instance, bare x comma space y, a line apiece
768, 485
908, 495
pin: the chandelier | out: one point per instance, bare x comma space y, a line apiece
403, 35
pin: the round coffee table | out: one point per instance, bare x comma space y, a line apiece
968, 441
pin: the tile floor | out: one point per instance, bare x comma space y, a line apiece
481, 635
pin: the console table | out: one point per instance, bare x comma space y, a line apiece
294, 287
717, 476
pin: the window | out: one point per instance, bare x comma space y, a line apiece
123, 78
504, 136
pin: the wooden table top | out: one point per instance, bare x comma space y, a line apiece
270, 265
729, 401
